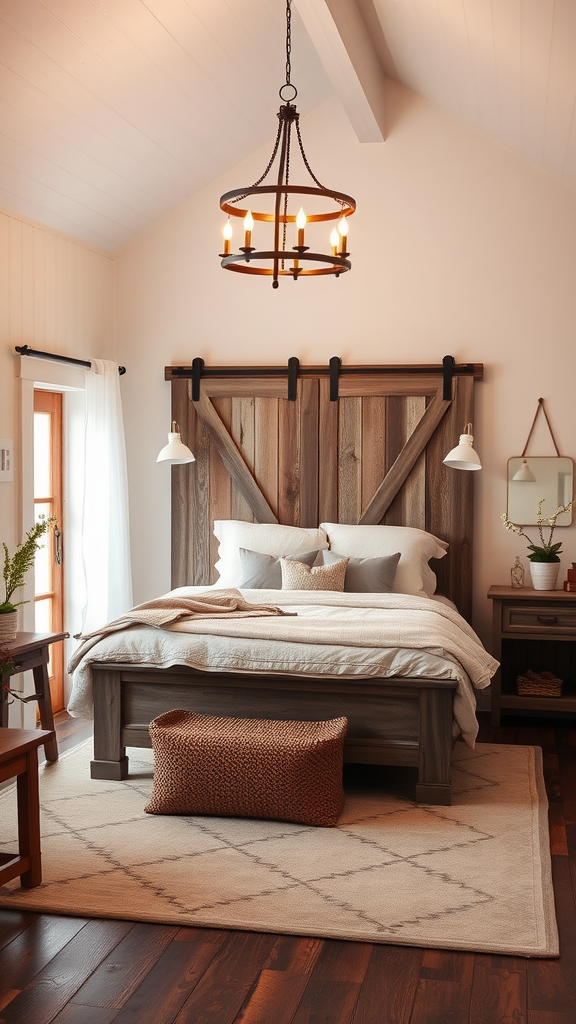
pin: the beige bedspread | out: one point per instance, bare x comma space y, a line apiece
352, 635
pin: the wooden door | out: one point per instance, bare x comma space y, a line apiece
48, 596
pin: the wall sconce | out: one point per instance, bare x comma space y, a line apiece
463, 456
175, 451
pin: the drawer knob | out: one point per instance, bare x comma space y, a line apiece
548, 620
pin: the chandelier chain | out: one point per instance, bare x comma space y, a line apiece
288, 40
305, 158
270, 162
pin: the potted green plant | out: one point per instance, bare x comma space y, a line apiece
544, 557
15, 569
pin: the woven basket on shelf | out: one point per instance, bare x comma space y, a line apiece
539, 684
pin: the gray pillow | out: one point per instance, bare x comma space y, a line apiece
263, 572
367, 575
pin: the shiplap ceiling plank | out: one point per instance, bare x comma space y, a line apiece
508, 69
146, 93
129, 89
114, 112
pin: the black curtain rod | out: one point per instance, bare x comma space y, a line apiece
24, 350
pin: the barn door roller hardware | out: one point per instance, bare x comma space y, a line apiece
448, 369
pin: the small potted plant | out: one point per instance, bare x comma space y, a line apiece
15, 569
544, 557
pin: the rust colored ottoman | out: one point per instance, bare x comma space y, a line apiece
247, 767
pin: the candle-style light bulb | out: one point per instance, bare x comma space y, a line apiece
334, 240
301, 224
343, 230
248, 225
227, 232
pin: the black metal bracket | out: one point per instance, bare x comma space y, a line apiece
197, 370
293, 371
334, 370
447, 373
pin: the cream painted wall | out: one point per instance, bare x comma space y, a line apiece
57, 295
458, 247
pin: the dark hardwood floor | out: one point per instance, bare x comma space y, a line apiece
79, 971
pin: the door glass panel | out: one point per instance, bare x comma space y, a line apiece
43, 556
43, 617
42, 455
48, 591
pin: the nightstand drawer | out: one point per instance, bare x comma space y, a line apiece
534, 619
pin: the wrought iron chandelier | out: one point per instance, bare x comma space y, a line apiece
286, 208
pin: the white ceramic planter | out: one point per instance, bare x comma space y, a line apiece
8, 626
544, 575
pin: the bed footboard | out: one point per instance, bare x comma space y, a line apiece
404, 722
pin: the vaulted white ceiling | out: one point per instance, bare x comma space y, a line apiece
113, 112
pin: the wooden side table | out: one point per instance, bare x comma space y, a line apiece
30, 651
533, 629
19, 760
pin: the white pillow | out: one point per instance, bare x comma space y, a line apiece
266, 538
416, 547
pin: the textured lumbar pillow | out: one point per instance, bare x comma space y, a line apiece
248, 767
298, 576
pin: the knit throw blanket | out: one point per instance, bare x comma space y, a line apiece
168, 612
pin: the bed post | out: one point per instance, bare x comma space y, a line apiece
435, 744
110, 761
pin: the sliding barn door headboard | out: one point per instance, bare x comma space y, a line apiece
364, 445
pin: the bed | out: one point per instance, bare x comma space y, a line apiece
340, 453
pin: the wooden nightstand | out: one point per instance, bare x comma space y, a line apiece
533, 629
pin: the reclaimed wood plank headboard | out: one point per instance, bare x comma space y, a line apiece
301, 446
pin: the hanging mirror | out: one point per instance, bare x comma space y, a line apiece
536, 477
532, 479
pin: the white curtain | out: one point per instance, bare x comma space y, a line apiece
105, 525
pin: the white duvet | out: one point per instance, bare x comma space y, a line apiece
332, 634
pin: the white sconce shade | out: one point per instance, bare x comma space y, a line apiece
175, 451
524, 474
463, 456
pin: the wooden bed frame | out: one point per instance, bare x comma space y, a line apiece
301, 446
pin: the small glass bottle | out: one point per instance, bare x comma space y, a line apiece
517, 573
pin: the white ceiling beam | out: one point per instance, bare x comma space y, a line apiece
343, 44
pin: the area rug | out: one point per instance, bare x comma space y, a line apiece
473, 876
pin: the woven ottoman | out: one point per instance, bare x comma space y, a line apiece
247, 767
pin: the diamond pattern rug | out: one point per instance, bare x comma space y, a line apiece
473, 876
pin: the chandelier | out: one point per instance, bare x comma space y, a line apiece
290, 208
